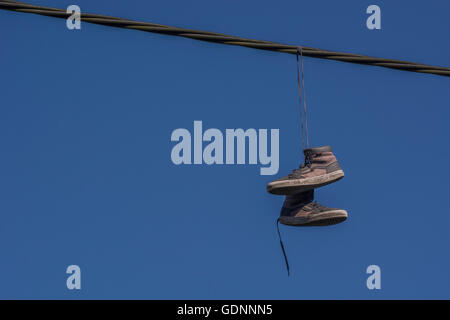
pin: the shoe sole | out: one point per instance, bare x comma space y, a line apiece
293, 186
321, 219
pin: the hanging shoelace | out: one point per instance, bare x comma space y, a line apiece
304, 131
302, 99
282, 247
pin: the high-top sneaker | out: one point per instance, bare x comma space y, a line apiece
319, 169
300, 210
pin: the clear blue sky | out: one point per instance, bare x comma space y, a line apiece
86, 176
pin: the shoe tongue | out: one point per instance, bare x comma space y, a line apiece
307, 152
300, 198
309, 195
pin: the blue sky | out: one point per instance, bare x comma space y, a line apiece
86, 176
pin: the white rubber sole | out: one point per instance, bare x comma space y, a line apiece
293, 186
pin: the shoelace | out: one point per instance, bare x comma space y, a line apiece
302, 98
316, 205
305, 136
282, 247
305, 164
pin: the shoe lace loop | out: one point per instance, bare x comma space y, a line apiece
317, 206
307, 163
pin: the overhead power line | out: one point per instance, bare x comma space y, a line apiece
226, 39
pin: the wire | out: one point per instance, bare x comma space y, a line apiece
226, 39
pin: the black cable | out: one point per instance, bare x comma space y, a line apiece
226, 39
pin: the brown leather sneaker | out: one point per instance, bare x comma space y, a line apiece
300, 210
319, 169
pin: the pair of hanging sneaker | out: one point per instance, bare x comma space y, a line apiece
299, 209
